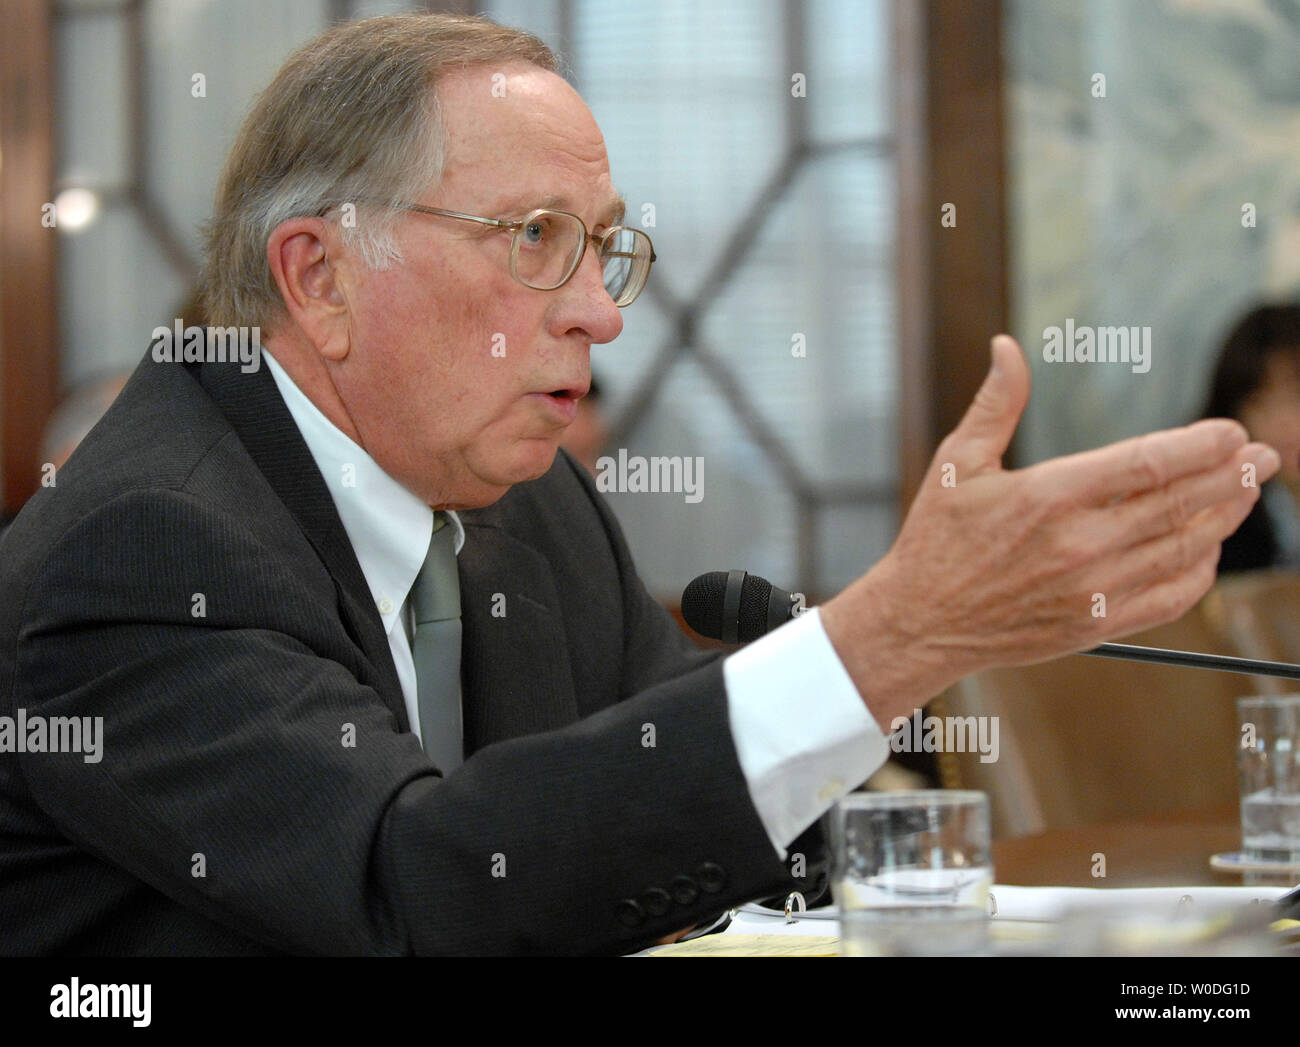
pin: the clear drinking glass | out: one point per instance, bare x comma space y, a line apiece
1268, 758
911, 872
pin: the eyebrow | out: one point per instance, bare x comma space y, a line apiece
612, 213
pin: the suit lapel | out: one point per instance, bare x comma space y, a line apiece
514, 659
253, 406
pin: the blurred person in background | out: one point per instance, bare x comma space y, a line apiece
87, 402
76, 415
1257, 382
79, 412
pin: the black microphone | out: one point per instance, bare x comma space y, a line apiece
736, 607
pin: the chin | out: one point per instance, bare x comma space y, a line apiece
527, 462
537, 462
537, 453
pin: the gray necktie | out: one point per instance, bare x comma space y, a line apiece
435, 604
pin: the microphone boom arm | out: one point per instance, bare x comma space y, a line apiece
1221, 662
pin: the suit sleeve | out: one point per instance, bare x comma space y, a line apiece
656, 648
248, 775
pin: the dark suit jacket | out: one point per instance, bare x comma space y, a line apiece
228, 816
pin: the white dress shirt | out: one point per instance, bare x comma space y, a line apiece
802, 733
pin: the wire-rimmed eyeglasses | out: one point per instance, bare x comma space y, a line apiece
547, 246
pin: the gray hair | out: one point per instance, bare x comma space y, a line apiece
352, 117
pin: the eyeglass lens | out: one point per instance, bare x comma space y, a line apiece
545, 249
625, 261
549, 244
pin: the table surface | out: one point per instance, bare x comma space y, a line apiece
1170, 850
1154, 851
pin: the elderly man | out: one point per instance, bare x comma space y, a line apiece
320, 734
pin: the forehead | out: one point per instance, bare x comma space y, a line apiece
521, 137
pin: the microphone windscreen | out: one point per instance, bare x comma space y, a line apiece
702, 602
753, 608
705, 597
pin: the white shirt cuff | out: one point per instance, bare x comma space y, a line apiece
802, 732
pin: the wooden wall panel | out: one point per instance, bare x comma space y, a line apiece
953, 293
29, 354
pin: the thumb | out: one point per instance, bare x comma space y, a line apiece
984, 433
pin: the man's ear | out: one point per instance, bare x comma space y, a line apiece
309, 284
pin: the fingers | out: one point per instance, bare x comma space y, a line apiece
1149, 564
1144, 463
1166, 600
984, 433
1153, 513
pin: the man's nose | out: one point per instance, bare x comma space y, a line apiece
587, 305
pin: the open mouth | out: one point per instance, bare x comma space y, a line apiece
564, 402
574, 393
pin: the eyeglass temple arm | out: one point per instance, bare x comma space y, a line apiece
596, 238
428, 210
497, 222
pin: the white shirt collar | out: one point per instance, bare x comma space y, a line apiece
389, 527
